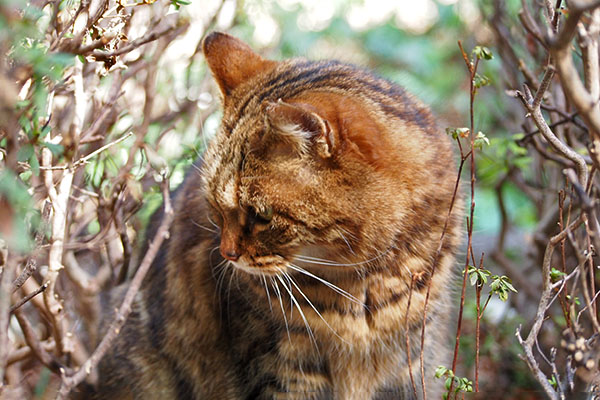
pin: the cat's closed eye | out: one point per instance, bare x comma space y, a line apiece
261, 215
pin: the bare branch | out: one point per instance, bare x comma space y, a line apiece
84, 160
149, 37
59, 199
70, 381
528, 343
533, 106
586, 104
30, 296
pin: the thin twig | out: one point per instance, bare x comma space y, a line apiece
533, 107
149, 37
84, 160
30, 296
471, 155
574, 88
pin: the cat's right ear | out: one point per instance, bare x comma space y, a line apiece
300, 126
232, 61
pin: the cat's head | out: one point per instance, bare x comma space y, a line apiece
304, 166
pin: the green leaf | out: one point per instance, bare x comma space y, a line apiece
480, 140
482, 52
556, 275
440, 371
178, 3
474, 278
574, 299
45, 130
508, 283
448, 383
478, 275
56, 149
501, 285
34, 164
25, 152
481, 81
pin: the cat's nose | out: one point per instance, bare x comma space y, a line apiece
230, 241
230, 255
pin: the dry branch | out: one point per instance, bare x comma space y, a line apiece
71, 381
30, 296
542, 308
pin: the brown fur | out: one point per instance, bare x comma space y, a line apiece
318, 166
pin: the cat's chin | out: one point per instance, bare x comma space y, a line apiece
267, 266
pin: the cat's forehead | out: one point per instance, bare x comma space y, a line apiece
220, 174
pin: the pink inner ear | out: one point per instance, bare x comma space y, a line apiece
349, 127
283, 115
335, 123
232, 61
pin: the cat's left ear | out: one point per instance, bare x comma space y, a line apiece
232, 61
301, 126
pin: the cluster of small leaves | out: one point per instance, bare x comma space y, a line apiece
457, 384
480, 81
574, 299
499, 285
502, 285
556, 275
458, 132
553, 382
478, 276
480, 140
463, 133
482, 52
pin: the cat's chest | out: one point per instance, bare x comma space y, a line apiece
348, 369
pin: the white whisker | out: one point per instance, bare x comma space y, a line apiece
212, 222
308, 329
202, 226
289, 278
346, 241
220, 270
194, 164
328, 284
233, 272
314, 260
278, 293
268, 294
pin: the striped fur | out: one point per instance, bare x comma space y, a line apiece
299, 238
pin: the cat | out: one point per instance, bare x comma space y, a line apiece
312, 219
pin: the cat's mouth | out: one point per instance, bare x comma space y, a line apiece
267, 265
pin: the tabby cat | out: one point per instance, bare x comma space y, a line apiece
311, 222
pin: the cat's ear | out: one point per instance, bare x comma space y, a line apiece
232, 61
299, 125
